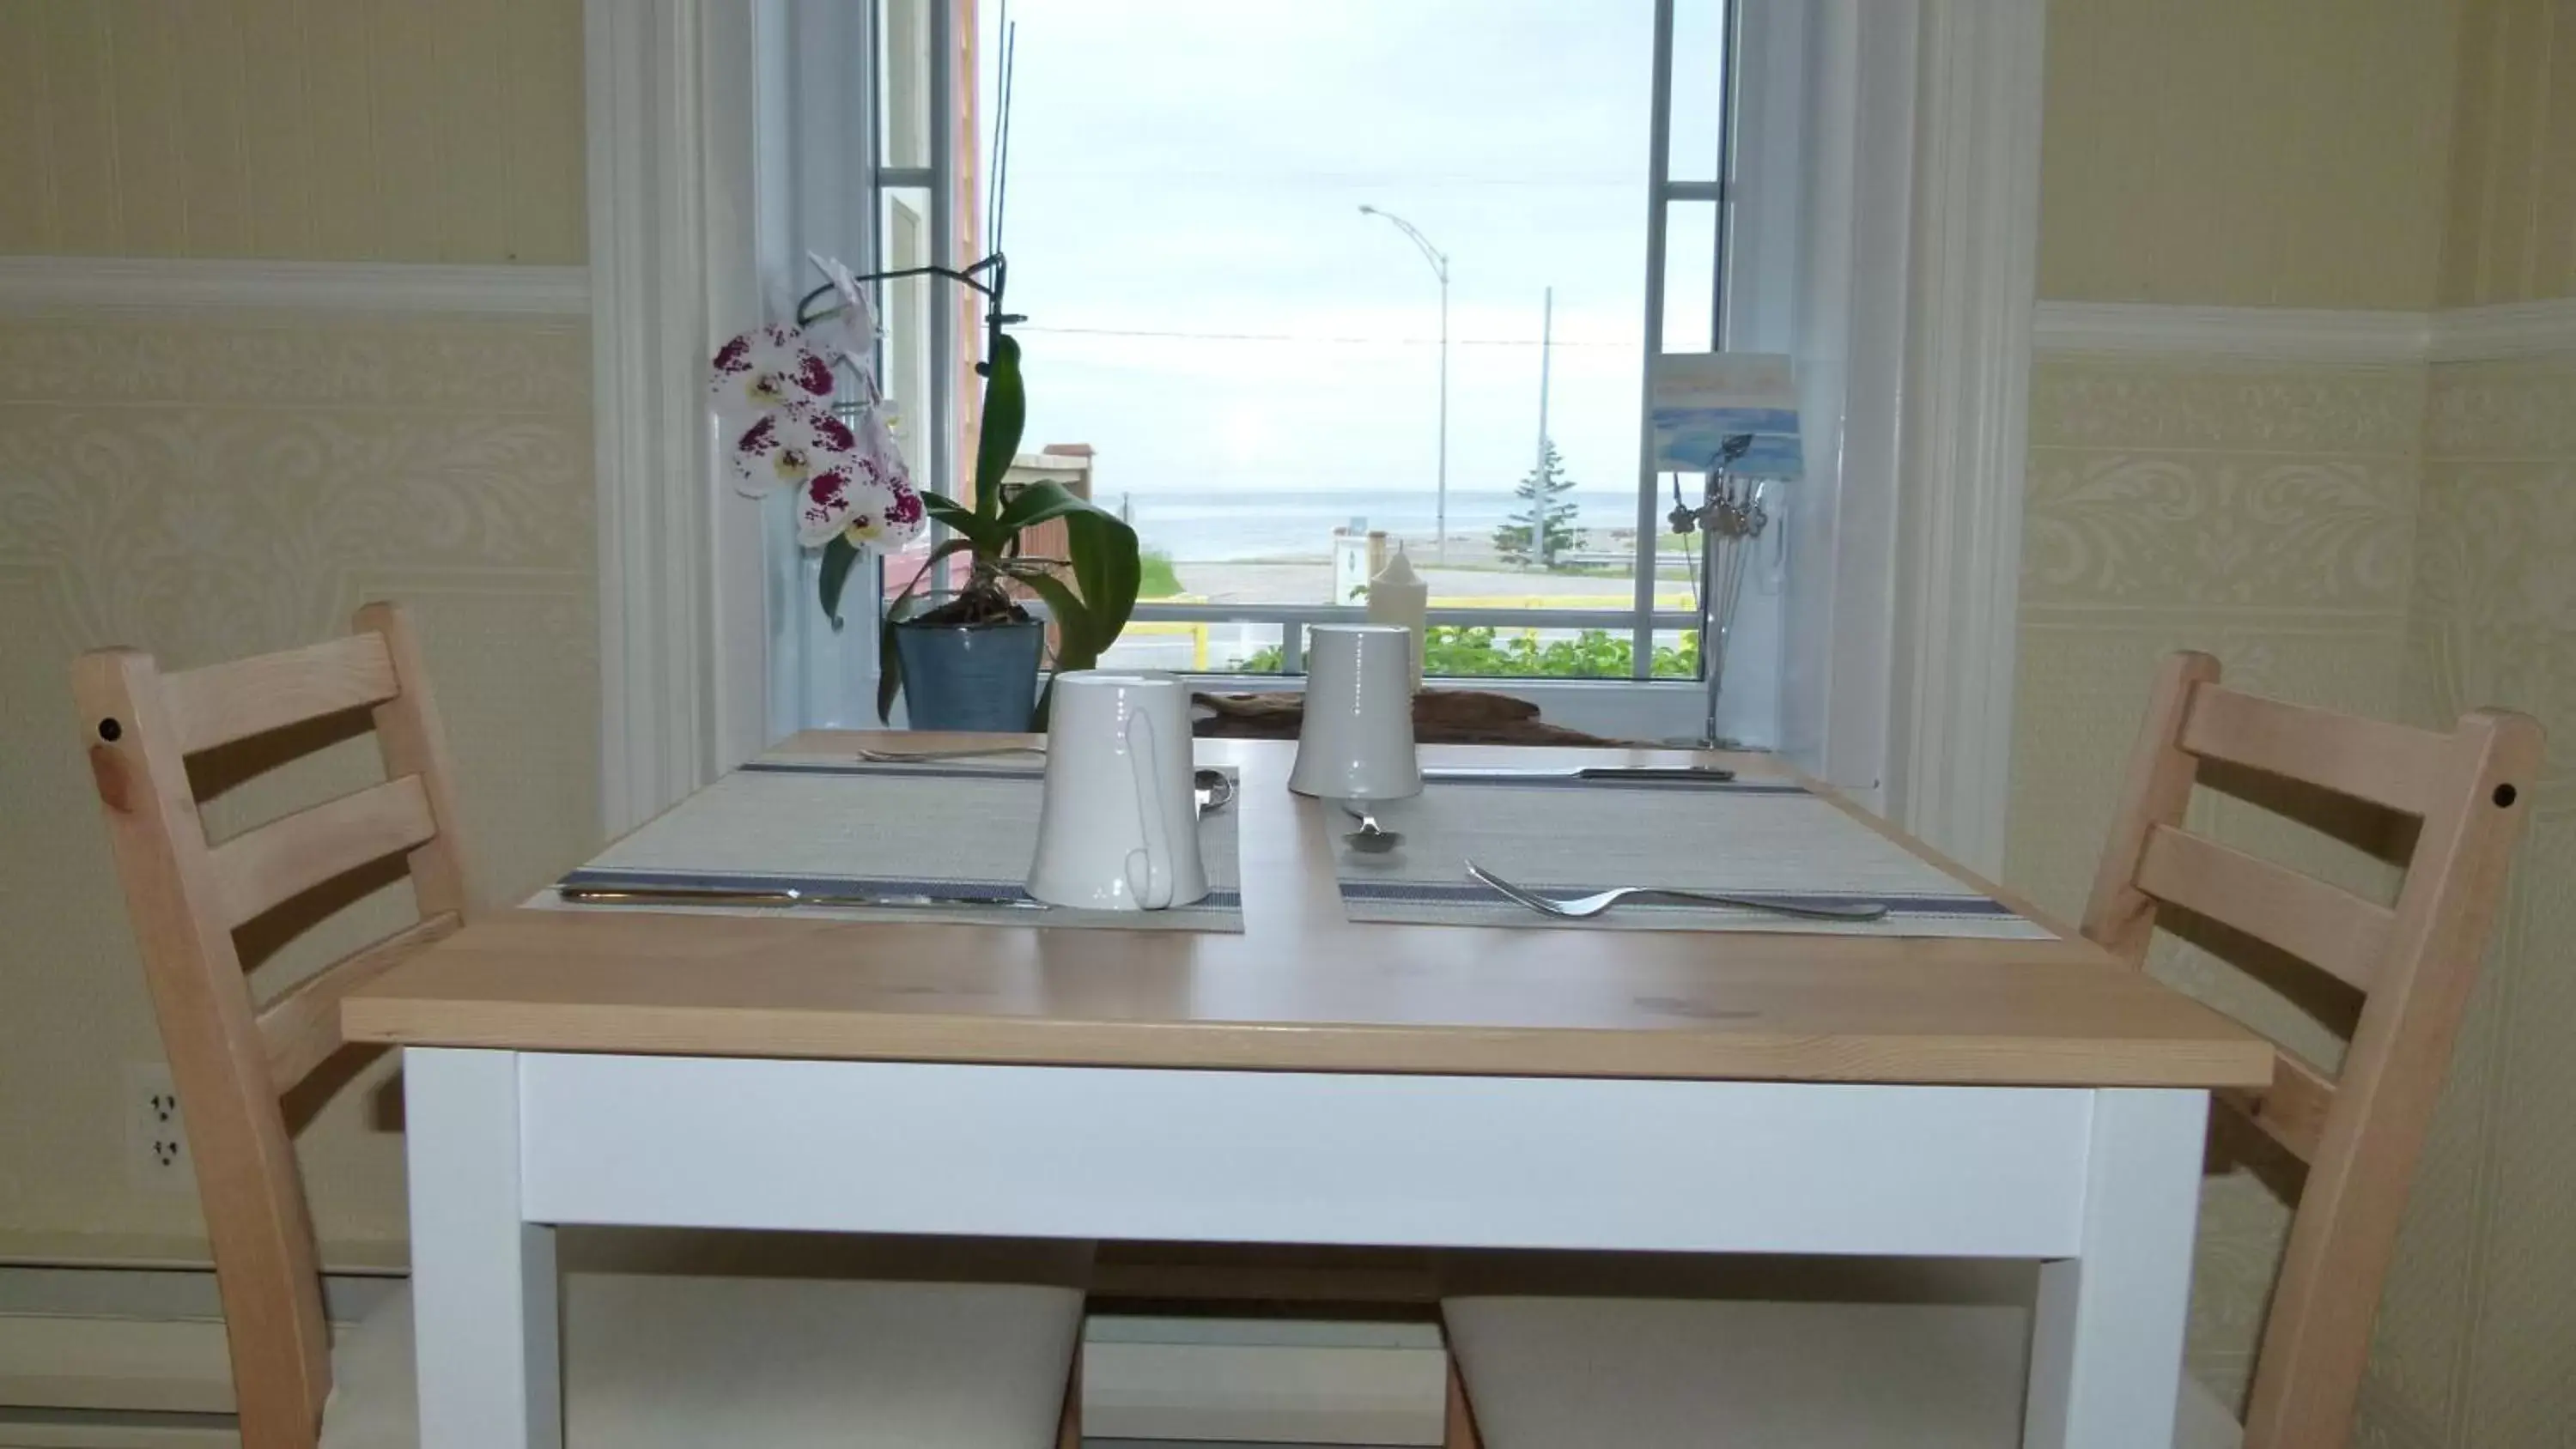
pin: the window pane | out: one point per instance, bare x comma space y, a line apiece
1197, 646
1699, 90
1257, 364
905, 57
1690, 276
1218, 646
903, 359
905, 305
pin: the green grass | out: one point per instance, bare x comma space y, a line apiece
1155, 579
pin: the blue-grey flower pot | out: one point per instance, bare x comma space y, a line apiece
983, 677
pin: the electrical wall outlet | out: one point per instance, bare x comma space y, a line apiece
156, 1131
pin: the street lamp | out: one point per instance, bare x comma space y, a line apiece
1439, 261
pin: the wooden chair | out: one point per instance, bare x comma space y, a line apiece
778, 1360
1716, 1371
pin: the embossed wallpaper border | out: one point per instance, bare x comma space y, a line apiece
208, 485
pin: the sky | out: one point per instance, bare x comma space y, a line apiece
1197, 167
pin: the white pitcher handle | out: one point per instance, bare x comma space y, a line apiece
1153, 863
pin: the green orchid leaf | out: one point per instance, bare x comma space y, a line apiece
941, 510
1034, 503
1106, 568
839, 557
889, 670
1074, 648
990, 539
949, 549
1006, 416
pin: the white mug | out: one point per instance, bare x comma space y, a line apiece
1119, 830
1356, 741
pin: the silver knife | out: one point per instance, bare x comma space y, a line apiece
714, 896
1705, 773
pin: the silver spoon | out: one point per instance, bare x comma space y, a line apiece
1215, 789
1584, 908
1371, 838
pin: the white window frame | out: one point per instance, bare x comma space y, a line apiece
1922, 209
1638, 706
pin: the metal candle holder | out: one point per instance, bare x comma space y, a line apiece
1730, 516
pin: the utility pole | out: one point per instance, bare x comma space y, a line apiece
1439, 261
1538, 506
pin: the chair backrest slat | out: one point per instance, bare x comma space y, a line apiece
301, 1028
414, 742
2118, 916
2395, 766
222, 703
2293, 1110
2323, 925
231, 1059
259, 869
2360, 1133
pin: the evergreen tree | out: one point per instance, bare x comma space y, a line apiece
1544, 526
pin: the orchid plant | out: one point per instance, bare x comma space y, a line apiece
774, 390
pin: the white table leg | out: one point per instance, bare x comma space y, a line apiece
2106, 1349
483, 1279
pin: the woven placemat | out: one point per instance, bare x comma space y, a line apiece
1567, 837
963, 832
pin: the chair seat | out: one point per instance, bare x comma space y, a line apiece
677, 1360
1644, 1373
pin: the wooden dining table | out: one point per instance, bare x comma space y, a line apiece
1308, 1080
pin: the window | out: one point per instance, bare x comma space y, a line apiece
1306, 282
1821, 221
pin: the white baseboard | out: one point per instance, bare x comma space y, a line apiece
122, 1341
53, 1429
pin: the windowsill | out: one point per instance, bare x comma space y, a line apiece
1649, 711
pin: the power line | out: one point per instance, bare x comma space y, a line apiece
1239, 177
1298, 337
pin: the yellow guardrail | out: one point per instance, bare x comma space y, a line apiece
1196, 630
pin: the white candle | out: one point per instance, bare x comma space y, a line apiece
1399, 596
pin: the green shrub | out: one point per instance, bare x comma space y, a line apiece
1155, 577
1458, 651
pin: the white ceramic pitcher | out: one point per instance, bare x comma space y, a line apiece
1119, 830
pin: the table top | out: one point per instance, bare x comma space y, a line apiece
1304, 989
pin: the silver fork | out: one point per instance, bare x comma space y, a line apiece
1583, 908
921, 757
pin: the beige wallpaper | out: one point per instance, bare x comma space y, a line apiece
344, 130
2513, 172
2375, 540
2477, 1337
2399, 541
2264, 513
2264, 153
217, 484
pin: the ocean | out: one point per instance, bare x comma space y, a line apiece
1211, 527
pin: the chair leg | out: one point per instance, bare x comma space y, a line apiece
1458, 1426
1068, 1431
